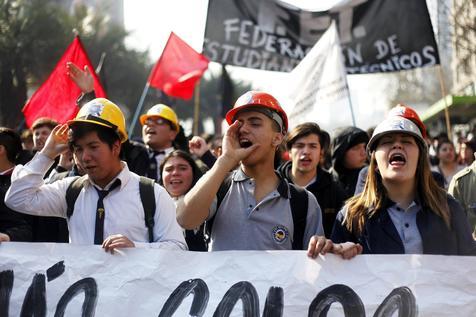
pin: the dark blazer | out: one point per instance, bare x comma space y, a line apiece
380, 236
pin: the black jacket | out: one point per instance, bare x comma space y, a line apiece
380, 236
328, 192
343, 141
136, 156
16, 225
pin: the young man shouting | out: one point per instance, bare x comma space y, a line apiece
305, 144
255, 211
108, 210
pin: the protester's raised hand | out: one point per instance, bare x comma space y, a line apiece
117, 241
232, 150
197, 146
347, 250
57, 142
4, 237
82, 78
318, 244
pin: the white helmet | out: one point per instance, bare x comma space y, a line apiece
395, 124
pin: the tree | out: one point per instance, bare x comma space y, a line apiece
35, 33
31, 31
463, 17
210, 99
456, 35
124, 71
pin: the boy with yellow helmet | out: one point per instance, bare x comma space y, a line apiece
108, 210
160, 127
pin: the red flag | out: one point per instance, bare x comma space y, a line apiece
178, 69
56, 97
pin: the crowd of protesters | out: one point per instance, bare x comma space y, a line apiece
85, 182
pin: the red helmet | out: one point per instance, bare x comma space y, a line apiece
260, 99
405, 111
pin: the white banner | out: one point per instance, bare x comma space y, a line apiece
61, 279
377, 36
317, 87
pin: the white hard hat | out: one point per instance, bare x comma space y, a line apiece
395, 124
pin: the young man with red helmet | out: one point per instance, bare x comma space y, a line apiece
255, 213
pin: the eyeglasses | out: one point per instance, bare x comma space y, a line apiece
156, 120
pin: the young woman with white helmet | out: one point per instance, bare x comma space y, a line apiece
402, 209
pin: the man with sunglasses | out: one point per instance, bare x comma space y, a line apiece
159, 128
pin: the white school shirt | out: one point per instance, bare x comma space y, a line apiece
124, 213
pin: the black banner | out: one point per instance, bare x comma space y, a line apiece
376, 35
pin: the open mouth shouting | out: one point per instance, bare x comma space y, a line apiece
245, 143
149, 131
305, 161
397, 159
176, 182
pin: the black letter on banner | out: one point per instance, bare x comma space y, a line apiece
6, 285
200, 298
241, 290
401, 299
34, 303
55, 271
343, 294
90, 288
274, 303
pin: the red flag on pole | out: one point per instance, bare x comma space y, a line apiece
178, 69
56, 97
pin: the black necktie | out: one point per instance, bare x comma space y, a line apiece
152, 170
100, 212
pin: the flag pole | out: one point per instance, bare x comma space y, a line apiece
138, 110
443, 94
196, 109
345, 78
350, 100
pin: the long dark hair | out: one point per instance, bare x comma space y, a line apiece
372, 199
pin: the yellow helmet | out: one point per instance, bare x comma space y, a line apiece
163, 111
105, 113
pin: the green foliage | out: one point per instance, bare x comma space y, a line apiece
25, 43
30, 32
210, 103
124, 71
35, 33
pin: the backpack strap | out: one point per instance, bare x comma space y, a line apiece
299, 204
72, 193
147, 197
222, 191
